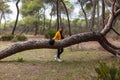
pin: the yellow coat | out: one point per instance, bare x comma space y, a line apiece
57, 36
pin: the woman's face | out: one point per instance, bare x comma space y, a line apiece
60, 29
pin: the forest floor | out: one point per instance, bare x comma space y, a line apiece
79, 62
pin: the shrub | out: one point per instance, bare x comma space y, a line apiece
7, 37
21, 38
50, 33
20, 59
107, 73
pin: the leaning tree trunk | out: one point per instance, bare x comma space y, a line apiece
103, 13
98, 16
74, 39
58, 22
13, 31
67, 17
85, 15
93, 16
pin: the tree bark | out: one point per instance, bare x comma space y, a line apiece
67, 17
58, 21
93, 16
36, 29
98, 16
103, 13
21, 46
85, 15
13, 31
108, 26
74, 39
108, 46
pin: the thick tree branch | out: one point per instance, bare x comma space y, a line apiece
108, 26
108, 46
75, 39
21, 46
112, 17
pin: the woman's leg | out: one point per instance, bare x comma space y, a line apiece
60, 50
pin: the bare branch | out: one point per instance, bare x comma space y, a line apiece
116, 32
113, 7
108, 26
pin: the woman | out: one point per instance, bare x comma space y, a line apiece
59, 36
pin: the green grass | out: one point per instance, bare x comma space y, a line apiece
39, 64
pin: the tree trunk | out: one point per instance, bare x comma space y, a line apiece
58, 22
111, 19
98, 16
36, 29
103, 13
13, 31
1, 15
93, 16
85, 15
67, 17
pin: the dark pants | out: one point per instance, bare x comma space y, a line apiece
59, 52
